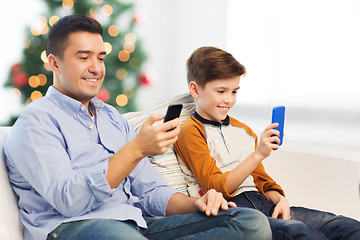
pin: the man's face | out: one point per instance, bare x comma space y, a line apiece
81, 70
214, 101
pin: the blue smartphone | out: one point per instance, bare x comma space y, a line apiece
278, 115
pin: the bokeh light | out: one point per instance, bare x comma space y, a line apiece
34, 81
121, 73
107, 10
121, 100
53, 20
129, 92
130, 47
42, 79
130, 38
16, 92
44, 57
108, 47
35, 95
27, 42
40, 27
68, 4
124, 55
113, 30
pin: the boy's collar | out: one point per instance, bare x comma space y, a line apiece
205, 121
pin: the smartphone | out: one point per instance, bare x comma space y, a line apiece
278, 115
173, 112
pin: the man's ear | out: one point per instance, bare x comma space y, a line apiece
53, 62
193, 87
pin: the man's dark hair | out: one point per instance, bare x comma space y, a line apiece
60, 31
207, 64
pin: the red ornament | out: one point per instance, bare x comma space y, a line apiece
103, 95
20, 79
147, 79
15, 68
137, 18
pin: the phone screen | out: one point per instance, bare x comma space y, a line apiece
278, 115
173, 111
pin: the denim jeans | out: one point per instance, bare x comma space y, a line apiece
304, 224
236, 223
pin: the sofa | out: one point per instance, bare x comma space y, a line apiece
294, 171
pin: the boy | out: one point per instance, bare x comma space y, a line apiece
82, 173
224, 154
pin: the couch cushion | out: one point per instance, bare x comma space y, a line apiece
10, 224
167, 163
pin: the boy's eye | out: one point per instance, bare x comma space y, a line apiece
221, 91
83, 58
235, 92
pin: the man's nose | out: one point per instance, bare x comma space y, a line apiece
95, 66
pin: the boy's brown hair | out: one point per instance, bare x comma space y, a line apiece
207, 64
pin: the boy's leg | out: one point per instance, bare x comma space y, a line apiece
96, 229
333, 226
281, 229
236, 223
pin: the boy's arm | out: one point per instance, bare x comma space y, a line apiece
192, 148
282, 207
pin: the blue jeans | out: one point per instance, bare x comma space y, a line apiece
304, 224
236, 223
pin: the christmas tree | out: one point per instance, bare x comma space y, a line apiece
31, 77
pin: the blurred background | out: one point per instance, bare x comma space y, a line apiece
300, 54
304, 55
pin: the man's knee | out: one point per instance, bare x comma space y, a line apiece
253, 224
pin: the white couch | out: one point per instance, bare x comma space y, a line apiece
10, 225
334, 182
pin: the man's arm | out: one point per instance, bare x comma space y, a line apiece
210, 204
151, 140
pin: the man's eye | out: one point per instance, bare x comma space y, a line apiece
235, 92
221, 91
83, 58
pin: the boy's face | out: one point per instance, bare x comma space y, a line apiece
81, 71
214, 101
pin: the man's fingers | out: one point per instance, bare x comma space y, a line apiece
153, 118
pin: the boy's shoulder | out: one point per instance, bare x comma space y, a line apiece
237, 123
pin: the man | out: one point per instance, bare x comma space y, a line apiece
80, 172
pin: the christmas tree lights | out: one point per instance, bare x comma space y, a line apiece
31, 78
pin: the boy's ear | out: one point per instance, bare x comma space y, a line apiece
52, 59
193, 87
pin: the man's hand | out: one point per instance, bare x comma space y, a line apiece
155, 139
211, 202
151, 140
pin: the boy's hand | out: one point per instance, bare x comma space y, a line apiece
267, 139
211, 202
282, 209
155, 139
